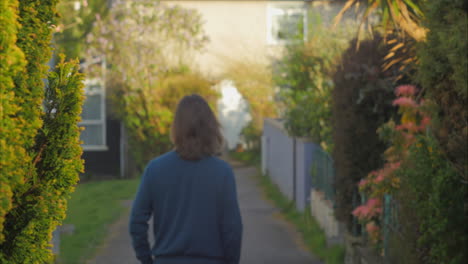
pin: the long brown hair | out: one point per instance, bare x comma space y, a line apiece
195, 130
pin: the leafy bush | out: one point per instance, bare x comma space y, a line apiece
148, 112
433, 201
144, 40
361, 103
304, 76
442, 74
251, 135
75, 23
42, 150
434, 182
429, 171
385, 181
149, 45
176, 86
254, 81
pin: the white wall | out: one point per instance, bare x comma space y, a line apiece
236, 29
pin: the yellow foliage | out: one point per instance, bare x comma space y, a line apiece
254, 81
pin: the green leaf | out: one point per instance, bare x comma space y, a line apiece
393, 4
416, 9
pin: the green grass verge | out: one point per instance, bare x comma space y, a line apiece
91, 209
313, 236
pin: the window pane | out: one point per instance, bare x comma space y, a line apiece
92, 135
290, 26
93, 87
92, 108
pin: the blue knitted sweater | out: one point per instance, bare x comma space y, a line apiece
196, 217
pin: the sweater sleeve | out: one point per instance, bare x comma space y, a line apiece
231, 222
138, 225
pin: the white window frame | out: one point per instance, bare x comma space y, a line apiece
275, 9
102, 120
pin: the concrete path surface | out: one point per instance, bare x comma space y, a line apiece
266, 239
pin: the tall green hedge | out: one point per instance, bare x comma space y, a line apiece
434, 192
432, 212
34, 39
12, 152
442, 73
39, 132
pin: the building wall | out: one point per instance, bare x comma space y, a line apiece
105, 164
237, 30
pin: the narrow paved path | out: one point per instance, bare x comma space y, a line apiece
267, 239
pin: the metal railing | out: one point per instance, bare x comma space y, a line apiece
388, 220
390, 224
323, 174
323, 177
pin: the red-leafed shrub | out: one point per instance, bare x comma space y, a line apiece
362, 102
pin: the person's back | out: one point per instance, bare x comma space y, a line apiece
196, 216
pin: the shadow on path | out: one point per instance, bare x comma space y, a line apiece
266, 240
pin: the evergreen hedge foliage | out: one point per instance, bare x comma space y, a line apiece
34, 39
12, 152
432, 215
442, 73
39, 134
433, 208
